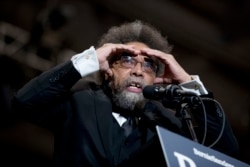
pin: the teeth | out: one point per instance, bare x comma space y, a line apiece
132, 84
135, 85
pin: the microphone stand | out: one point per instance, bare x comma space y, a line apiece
182, 108
187, 117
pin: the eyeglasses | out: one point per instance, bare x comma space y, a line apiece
148, 65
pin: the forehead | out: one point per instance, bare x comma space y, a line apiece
137, 45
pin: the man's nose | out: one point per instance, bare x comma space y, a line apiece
137, 70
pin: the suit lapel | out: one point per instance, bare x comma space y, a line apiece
104, 120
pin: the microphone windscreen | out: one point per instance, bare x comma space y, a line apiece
152, 92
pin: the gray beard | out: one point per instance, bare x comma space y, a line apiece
127, 100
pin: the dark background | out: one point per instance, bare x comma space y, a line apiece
211, 39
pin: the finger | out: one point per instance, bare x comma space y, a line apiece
160, 80
165, 58
117, 49
129, 48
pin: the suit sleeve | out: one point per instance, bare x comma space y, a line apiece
210, 124
213, 128
41, 99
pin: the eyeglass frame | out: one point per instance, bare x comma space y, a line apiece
154, 67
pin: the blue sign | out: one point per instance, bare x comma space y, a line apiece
182, 152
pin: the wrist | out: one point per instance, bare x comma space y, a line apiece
187, 78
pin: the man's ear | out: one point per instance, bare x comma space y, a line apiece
108, 74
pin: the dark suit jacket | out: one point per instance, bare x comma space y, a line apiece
86, 134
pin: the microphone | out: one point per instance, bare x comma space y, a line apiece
173, 97
170, 91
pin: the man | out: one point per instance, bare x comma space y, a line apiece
88, 123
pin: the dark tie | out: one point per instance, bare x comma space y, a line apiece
129, 125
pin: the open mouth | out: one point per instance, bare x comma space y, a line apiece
134, 87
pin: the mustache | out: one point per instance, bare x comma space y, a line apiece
134, 80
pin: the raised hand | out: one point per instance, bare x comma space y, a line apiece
173, 72
109, 49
